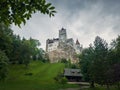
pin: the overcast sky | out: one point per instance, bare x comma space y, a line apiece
83, 20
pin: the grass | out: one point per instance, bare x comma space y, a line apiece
39, 76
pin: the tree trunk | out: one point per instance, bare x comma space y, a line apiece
118, 84
108, 87
92, 84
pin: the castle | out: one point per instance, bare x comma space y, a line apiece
58, 48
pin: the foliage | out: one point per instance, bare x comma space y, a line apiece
61, 79
100, 61
64, 80
63, 60
5, 39
18, 11
43, 56
86, 59
68, 63
74, 66
114, 57
100, 64
19, 50
26, 51
93, 62
3, 65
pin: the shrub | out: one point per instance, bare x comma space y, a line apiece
60, 79
63, 80
29, 74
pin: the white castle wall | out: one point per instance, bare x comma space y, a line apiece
77, 49
53, 46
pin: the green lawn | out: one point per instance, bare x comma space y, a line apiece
42, 77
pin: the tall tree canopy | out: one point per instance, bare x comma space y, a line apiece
18, 11
101, 64
18, 50
93, 61
86, 59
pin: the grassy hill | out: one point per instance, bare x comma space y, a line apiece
39, 76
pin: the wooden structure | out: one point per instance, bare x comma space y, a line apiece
73, 75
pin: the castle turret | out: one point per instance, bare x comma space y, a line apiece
62, 35
78, 48
77, 42
47, 45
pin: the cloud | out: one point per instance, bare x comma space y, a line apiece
83, 19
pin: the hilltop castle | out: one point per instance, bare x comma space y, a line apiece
58, 48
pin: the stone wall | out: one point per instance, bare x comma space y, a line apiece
63, 51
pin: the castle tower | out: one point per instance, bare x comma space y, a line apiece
62, 35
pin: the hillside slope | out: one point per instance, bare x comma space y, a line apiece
39, 76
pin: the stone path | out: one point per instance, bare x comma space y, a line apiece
71, 89
76, 88
85, 85
80, 83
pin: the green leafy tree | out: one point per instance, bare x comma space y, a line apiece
18, 11
99, 66
86, 61
26, 52
3, 65
42, 55
6, 39
94, 63
34, 44
16, 50
114, 61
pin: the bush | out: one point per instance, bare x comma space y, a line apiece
28, 74
3, 65
60, 79
63, 80
63, 60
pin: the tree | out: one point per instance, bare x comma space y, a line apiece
94, 64
114, 61
6, 39
26, 52
18, 11
100, 65
16, 56
86, 61
34, 44
3, 65
16, 49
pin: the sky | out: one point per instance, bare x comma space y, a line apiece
83, 20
